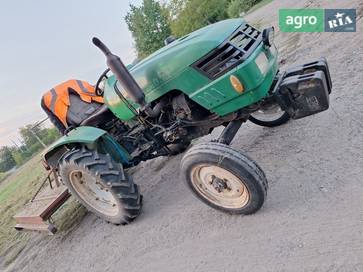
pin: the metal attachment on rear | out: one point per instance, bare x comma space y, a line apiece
46, 201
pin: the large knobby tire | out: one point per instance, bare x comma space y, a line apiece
224, 179
101, 185
270, 119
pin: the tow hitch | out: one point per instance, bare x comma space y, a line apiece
304, 90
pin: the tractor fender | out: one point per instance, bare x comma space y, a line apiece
92, 137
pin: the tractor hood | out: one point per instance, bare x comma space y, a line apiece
169, 61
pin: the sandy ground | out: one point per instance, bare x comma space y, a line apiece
312, 219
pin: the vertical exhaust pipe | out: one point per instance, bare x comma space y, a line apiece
122, 74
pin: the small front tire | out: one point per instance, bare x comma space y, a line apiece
224, 179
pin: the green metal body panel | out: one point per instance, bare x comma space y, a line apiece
86, 135
219, 95
89, 136
170, 69
114, 103
169, 63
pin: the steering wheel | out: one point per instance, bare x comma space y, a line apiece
99, 92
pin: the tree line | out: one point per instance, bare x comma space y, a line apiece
32, 137
151, 22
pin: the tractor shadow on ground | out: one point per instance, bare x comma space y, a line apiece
162, 183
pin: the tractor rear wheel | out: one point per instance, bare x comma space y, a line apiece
224, 179
101, 185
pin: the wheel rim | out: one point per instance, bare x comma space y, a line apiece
220, 186
93, 193
268, 113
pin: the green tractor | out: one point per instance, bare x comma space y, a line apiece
221, 75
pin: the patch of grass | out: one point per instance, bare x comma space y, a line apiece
69, 216
3, 176
17, 190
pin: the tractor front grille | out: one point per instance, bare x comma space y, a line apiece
230, 53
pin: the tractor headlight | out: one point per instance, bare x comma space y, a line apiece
268, 35
262, 63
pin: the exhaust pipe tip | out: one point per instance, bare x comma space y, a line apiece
97, 42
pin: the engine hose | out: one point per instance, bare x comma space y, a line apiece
156, 110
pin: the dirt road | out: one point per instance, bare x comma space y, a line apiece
312, 219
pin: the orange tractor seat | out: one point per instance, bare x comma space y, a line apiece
71, 102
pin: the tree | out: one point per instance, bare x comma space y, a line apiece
149, 26
31, 136
6, 159
190, 15
29, 132
52, 134
19, 156
174, 8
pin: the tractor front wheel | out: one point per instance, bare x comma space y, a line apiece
101, 185
224, 178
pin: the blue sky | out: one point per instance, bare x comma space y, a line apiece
46, 42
